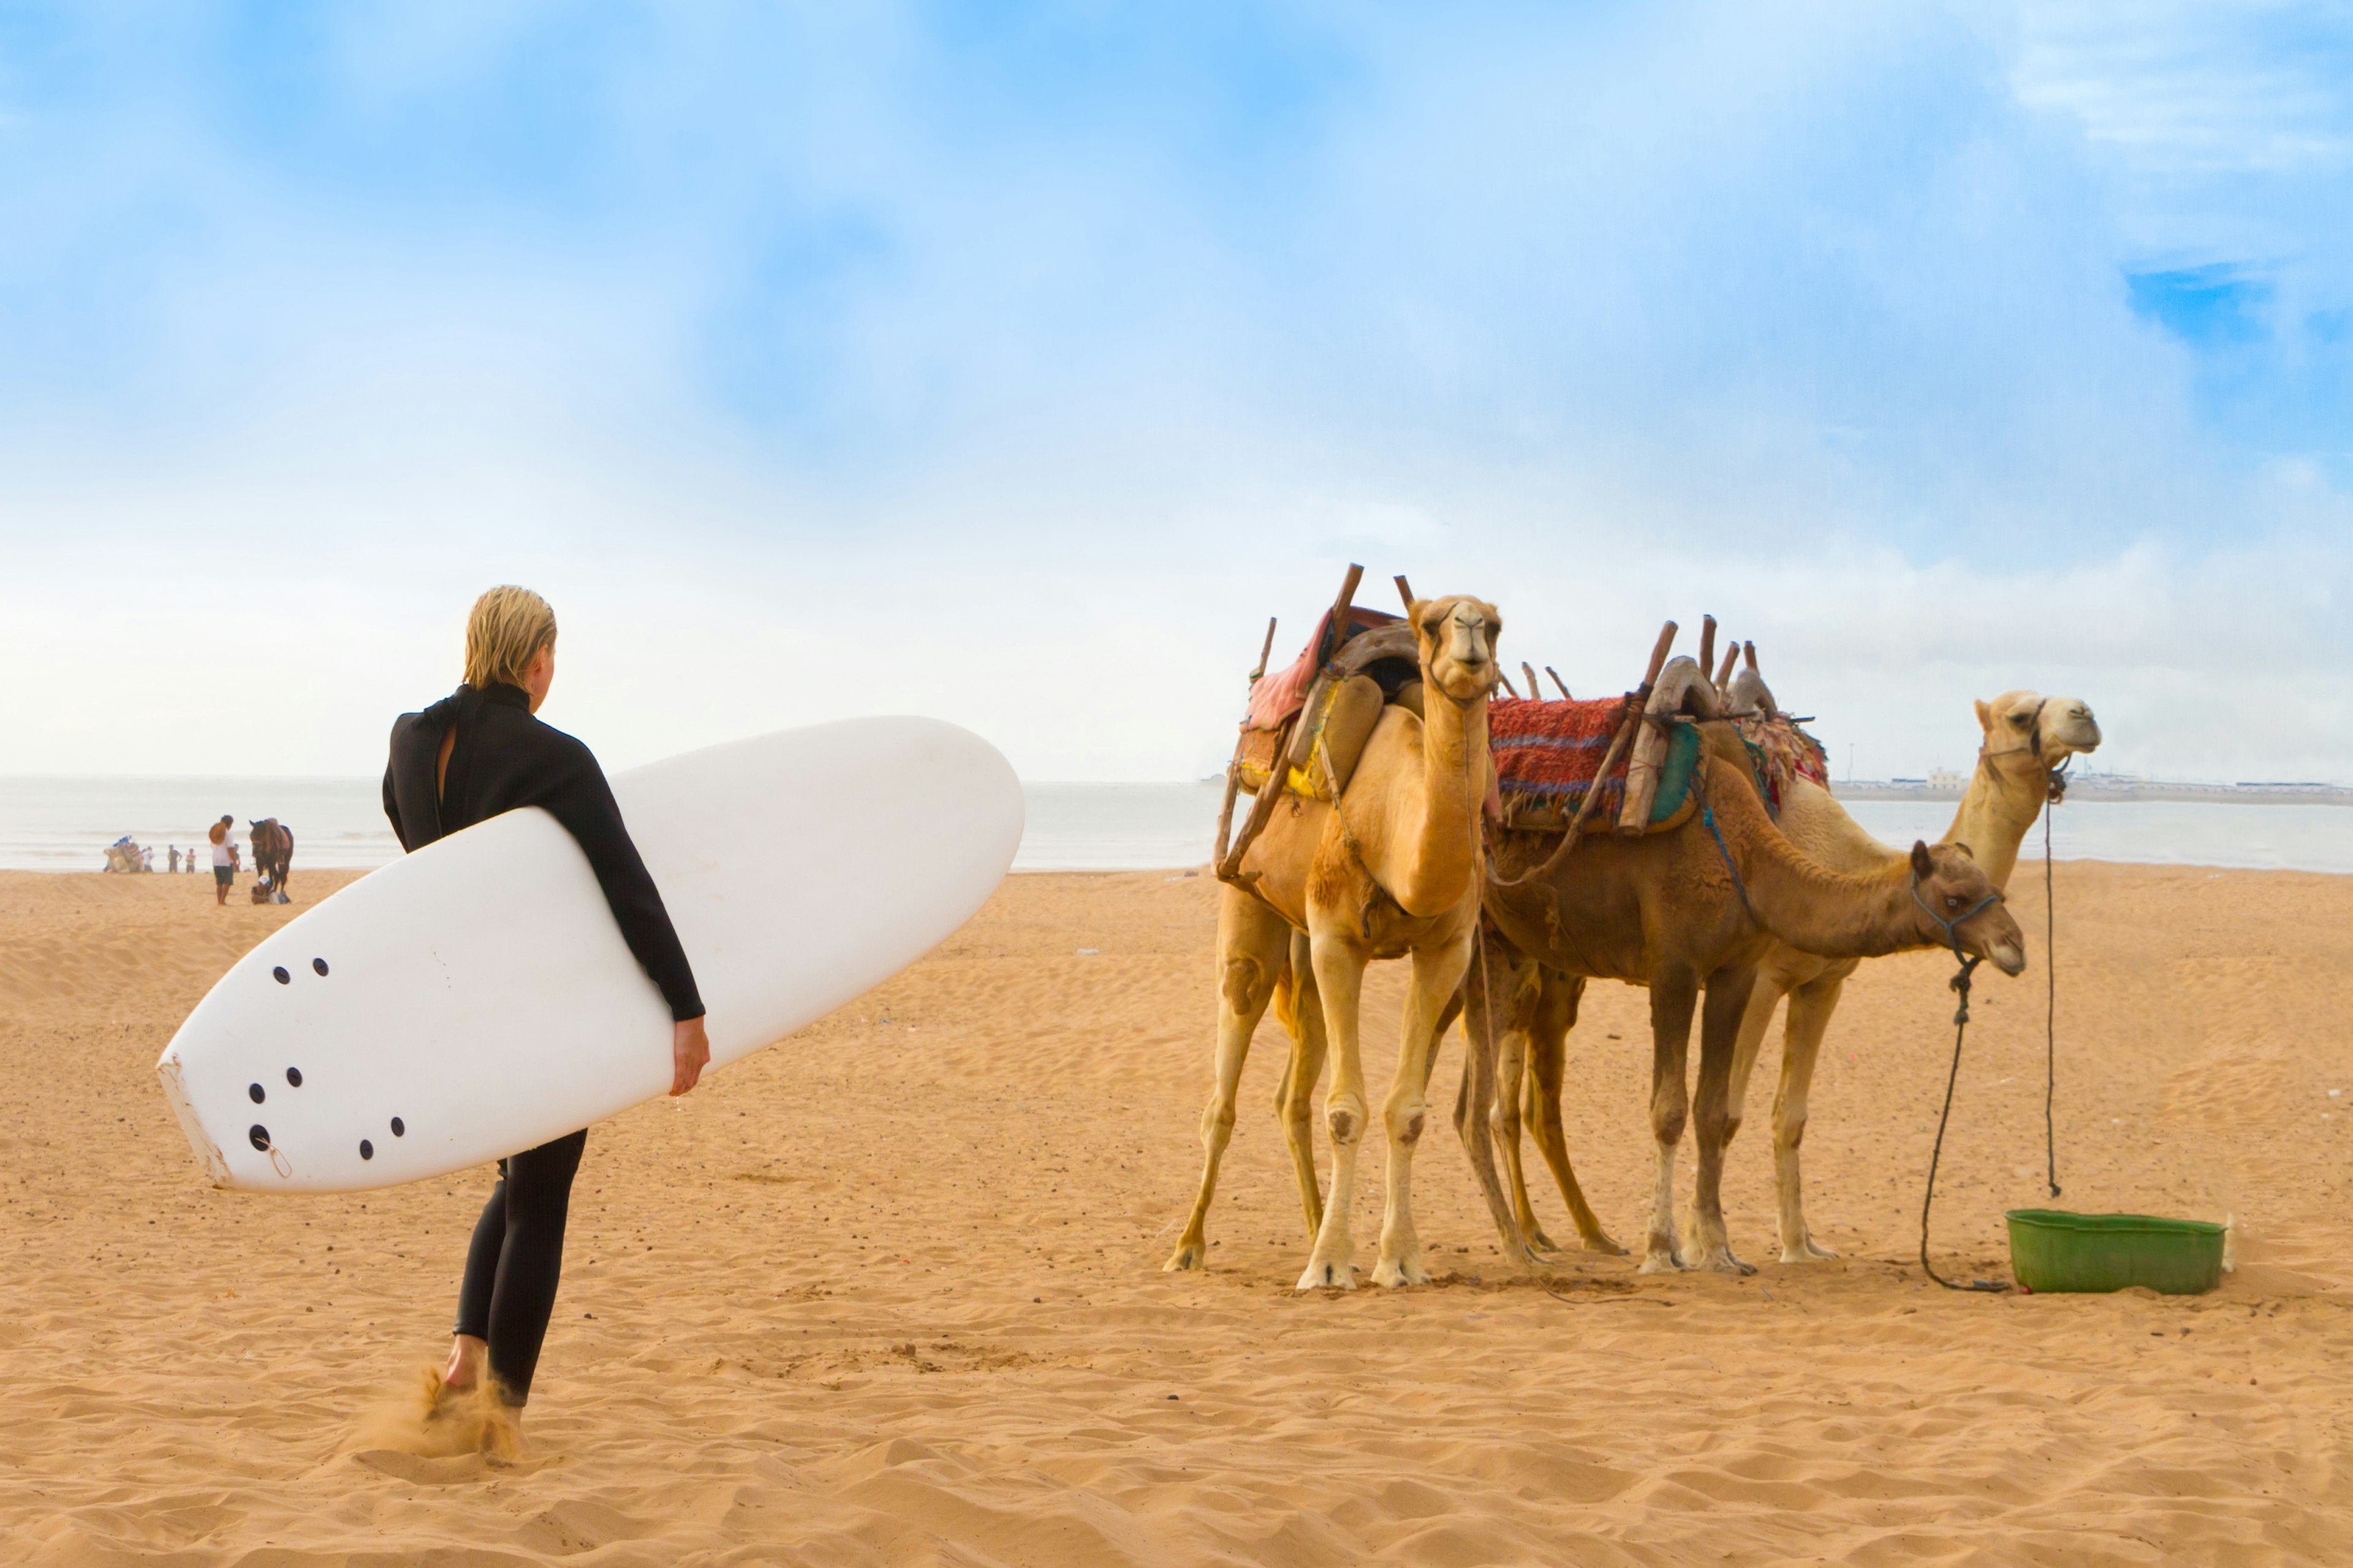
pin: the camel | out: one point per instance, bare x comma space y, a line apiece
2027, 736
1695, 910
1392, 869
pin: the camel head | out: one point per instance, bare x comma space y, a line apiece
1956, 903
1458, 645
2033, 729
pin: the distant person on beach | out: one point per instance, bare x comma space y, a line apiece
224, 860
147, 858
473, 754
172, 862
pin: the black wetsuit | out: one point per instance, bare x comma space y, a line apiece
502, 759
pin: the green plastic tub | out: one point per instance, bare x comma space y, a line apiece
2052, 1250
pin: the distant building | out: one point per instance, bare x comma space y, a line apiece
1945, 778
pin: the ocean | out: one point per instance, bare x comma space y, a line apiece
65, 825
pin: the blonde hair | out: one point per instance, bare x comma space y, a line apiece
507, 628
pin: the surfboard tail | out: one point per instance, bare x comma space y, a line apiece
207, 1153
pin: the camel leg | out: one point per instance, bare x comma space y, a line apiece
1810, 1006
1515, 1097
1507, 980
1504, 964
1673, 997
1429, 999
1294, 1101
1728, 992
1549, 1050
1340, 977
1755, 1022
1452, 1011
1515, 1081
1251, 942
1504, 1120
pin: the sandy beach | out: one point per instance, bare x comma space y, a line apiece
890, 1293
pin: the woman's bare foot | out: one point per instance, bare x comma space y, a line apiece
469, 1359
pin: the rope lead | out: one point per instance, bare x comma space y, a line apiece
1960, 984
2058, 792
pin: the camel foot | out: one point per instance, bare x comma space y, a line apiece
1188, 1254
1329, 1276
1716, 1258
1660, 1257
1391, 1273
1807, 1250
1534, 1233
1600, 1241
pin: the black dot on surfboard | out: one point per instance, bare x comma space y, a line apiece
399, 1128
255, 1090
294, 1077
368, 1150
258, 1136
280, 975
320, 965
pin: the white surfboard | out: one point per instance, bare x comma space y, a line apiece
476, 998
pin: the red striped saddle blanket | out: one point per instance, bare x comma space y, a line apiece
1547, 754
1552, 750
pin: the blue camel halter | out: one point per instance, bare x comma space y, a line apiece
1952, 932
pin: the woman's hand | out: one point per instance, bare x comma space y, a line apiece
690, 1053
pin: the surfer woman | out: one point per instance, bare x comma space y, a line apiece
468, 757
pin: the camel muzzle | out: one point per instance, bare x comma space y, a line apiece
2006, 948
1993, 935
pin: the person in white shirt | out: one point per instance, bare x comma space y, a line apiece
224, 860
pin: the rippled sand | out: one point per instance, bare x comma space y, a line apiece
890, 1293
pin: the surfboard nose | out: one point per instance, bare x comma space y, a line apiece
232, 1107
176, 1091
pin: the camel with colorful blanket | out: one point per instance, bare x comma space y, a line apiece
2027, 740
1531, 1056
1368, 762
1685, 892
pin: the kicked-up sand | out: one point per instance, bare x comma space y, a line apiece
890, 1293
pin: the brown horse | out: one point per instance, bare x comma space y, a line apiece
273, 857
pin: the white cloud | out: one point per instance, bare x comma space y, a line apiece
846, 374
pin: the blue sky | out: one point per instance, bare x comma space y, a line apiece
1013, 362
